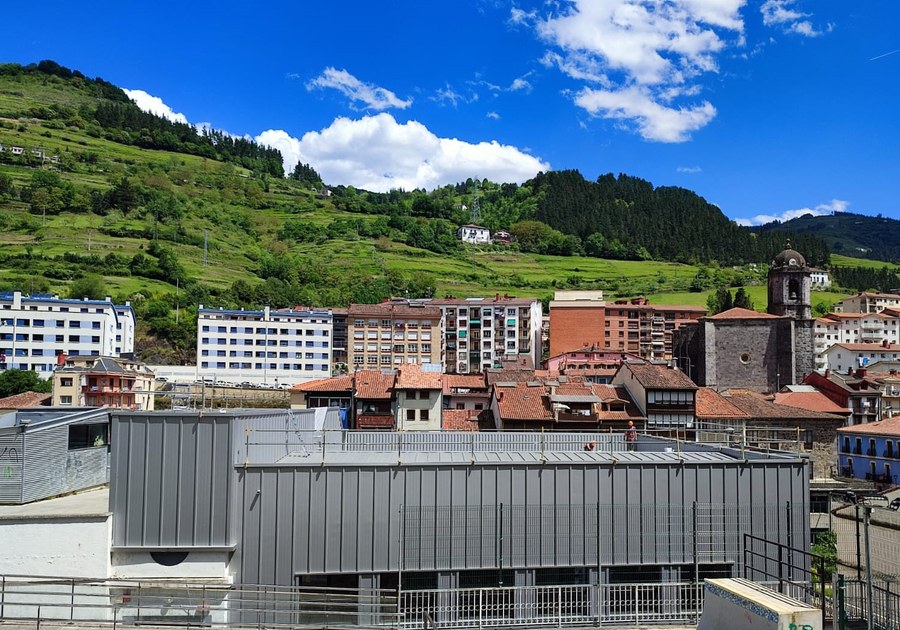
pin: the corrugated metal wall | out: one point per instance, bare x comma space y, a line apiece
12, 452
171, 480
335, 519
51, 469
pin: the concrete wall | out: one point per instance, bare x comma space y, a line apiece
71, 547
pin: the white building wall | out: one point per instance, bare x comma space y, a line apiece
202, 564
283, 347
70, 547
34, 330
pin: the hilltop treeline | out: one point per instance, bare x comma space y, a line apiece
559, 212
848, 233
117, 118
865, 278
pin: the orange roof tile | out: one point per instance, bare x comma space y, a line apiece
660, 376
710, 404
25, 400
522, 401
761, 407
334, 384
412, 376
889, 427
372, 384
813, 401
460, 420
464, 381
742, 313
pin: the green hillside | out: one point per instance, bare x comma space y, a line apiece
105, 199
848, 234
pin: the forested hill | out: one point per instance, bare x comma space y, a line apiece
627, 215
847, 233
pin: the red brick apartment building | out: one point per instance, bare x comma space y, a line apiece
583, 318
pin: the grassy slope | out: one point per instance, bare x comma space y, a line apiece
232, 250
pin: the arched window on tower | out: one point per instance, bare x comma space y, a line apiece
794, 289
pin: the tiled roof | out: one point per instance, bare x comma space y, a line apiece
516, 376
25, 400
759, 407
334, 384
460, 420
813, 401
486, 302
711, 404
372, 384
412, 376
742, 313
659, 376
616, 395
889, 427
868, 347
522, 401
464, 381
390, 309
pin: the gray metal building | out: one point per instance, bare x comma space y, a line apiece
285, 502
51, 451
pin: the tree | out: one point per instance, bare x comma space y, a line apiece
14, 382
742, 300
719, 301
90, 286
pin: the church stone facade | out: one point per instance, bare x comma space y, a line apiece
763, 352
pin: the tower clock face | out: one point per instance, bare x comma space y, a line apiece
792, 262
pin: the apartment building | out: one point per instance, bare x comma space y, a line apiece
868, 302
35, 330
394, 333
277, 347
576, 321
481, 333
89, 381
582, 318
854, 328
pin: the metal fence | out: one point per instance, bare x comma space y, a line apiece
885, 603
162, 602
270, 444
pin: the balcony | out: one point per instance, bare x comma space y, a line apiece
374, 421
574, 416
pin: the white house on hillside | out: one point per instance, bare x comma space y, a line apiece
474, 234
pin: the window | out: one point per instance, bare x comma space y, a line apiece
65, 400
87, 435
423, 413
410, 414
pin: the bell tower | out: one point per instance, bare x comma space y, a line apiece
790, 285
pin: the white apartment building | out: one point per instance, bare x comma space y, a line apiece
843, 357
277, 347
35, 330
482, 333
868, 302
819, 278
854, 328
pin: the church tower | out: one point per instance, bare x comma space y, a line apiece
790, 285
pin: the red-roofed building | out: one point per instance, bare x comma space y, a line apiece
664, 395
466, 391
419, 392
466, 420
25, 400
368, 395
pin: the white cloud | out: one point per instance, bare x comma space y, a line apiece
377, 153
520, 83
821, 210
657, 50
154, 105
782, 13
654, 121
447, 95
690, 170
493, 115
371, 96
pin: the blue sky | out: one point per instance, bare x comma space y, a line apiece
766, 108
